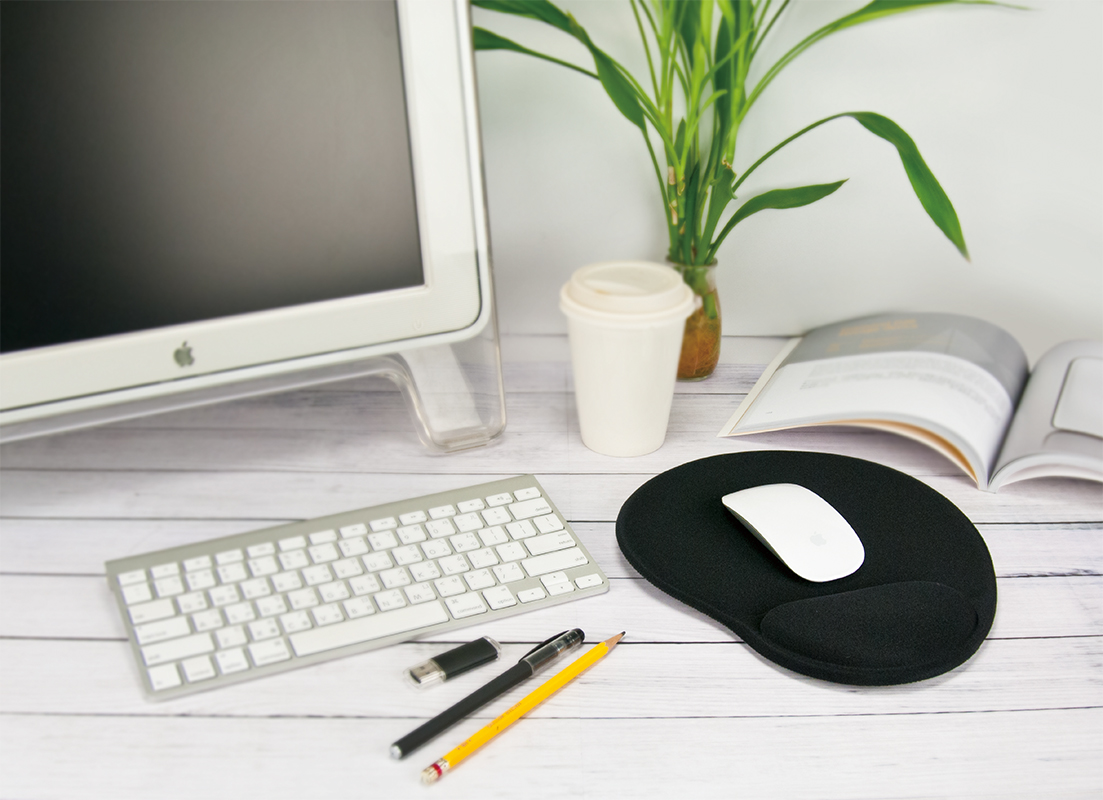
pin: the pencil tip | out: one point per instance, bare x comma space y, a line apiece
614, 639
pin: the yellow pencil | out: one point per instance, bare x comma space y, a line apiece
434, 771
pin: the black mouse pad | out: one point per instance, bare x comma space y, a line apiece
920, 604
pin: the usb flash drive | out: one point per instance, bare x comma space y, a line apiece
455, 662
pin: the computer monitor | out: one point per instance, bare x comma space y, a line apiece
203, 200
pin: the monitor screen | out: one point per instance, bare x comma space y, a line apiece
144, 186
199, 194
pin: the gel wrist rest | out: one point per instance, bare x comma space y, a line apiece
920, 604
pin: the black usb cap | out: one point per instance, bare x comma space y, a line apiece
455, 662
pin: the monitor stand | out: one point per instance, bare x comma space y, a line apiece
455, 393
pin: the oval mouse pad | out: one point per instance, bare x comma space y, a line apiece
920, 604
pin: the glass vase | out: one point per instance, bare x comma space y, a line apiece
701, 342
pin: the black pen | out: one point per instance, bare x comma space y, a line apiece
531, 662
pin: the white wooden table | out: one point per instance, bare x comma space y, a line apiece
680, 708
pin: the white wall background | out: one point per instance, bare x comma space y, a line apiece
1005, 105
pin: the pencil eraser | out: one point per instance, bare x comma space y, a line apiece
454, 662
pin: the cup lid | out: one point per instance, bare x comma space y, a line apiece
628, 287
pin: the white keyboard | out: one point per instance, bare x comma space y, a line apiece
240, 607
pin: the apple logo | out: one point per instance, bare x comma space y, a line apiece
182, 355
817, 539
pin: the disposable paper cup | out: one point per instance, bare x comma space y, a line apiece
625, 321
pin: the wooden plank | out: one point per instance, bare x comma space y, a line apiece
582, 496
1053, 754
81, 546
40, 678
49, 606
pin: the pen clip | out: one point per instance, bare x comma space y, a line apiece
547, 641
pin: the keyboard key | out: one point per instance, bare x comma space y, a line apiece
296, 621
466, 605
508, 573
164, 570
321, 537
468, 522
442, 511
354, 547
231, 637
496, 516
556, 589
239, 612
493, 536
257, 587
409, 554
453, 565
149, 612
364, 584
328, 614
436, 549
420, 593
302, 598
588, 581
176, 649
356, 529
511, 551
265, 565
200, 579
447, 587
224, 595
394, 578
549, 543
232, 573
499, 499
231, 661
531, 493
270, 652
482, 558
424, 571
207, 620
470, 505
229, 557
132, 577
137, 593
411, 534
160, 630
190, 603
263, 629
347, 568
548, 523
563, 559
323, 553
258, 550
287, 581
530, 508
521, 530
377, 561
479, 579
332, 592
385, 524
164, 677
390, 600
294, 559
168, 587
197, 669
271, 606
374, 626
440, 527
292, 543
313, 576
531, 595
464, 542
358, 607
382, 541
412, 517
499, 597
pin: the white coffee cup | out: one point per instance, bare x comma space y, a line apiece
625, 321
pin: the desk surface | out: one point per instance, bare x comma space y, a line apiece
680, 706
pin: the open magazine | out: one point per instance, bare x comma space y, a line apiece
957, 384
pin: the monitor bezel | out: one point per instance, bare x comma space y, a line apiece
453, 304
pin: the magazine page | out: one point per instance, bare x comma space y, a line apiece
1058, 429
928, 376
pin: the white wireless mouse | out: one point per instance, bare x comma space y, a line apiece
800, 528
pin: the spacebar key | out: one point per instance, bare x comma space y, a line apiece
364, 629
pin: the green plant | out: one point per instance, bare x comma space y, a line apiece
705, 50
